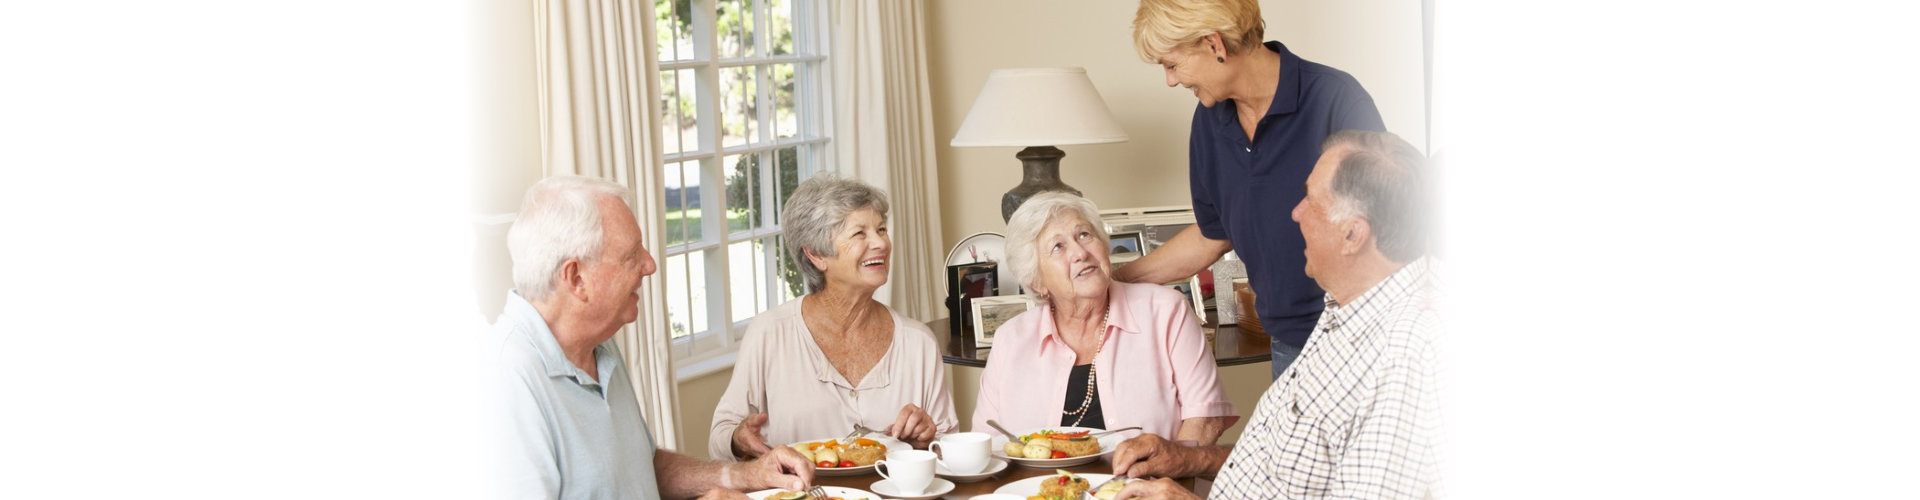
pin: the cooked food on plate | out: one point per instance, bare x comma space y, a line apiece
831, 454
1107, 491
1063, 486
1053, 444
801, 495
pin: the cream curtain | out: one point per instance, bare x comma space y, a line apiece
883, 134
597, 118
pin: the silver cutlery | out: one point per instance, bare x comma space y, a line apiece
818, 493
858, 430
1010, 436
1103, 433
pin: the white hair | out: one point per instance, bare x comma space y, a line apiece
559, 220
1382, 179
1023, 231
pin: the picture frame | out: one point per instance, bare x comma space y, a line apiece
1126, 242
1226, 306
966, 282
991, 312
1190, 287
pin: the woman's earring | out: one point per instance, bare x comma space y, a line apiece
1219, 58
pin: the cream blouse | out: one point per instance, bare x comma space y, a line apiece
781, 371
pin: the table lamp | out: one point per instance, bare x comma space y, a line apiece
1037, 109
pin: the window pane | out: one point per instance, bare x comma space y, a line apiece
746, 265
785, 123
678, 104
679, 309
673, 29
791, 284
745, 182
734, 28
737, 107
787, 170
781, 26
682, 198
694, 286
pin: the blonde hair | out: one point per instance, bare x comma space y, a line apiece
1163, 25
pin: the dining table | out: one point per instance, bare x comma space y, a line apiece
1013, 472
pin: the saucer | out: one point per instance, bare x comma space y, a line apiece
994, 466
938, 487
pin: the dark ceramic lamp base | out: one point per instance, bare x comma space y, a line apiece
1042, 166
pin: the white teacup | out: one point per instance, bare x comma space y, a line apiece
911, 471
964, 452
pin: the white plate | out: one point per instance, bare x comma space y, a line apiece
936, 488
892, 445
1031, 486
986, 247
1107, 444
847, 493
994, 466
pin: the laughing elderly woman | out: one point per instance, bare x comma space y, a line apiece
1096, 353
815, 366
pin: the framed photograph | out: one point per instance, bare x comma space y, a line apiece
966, 282
991, 312
1226, 306
1126, 242
1190, 287
1156, 225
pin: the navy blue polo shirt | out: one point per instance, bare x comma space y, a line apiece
1244, 192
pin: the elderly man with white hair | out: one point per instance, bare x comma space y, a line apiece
1357, 416
562, 417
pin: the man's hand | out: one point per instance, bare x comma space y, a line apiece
748, 442
914, 426
1150, 455
723, 494
1157, 489
780, 468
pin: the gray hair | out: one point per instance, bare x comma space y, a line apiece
1023, 231
1382, 179
815, 212
559, 220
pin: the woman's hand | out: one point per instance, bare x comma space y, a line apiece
914, 426
748, 442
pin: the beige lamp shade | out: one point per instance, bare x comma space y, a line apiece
1038, 107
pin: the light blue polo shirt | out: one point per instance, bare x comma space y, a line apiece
558, 433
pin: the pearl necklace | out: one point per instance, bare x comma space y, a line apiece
1093, 372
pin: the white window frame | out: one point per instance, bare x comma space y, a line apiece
712, 350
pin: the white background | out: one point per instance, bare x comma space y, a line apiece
1679, 235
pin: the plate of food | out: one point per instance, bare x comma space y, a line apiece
833, 493
1062, 485
1060, 446
830, 458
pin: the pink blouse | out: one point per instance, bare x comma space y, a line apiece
1155, 372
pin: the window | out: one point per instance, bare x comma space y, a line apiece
743, 91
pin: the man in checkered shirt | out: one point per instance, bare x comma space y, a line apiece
1357, 415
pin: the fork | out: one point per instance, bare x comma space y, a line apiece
818, 493
858, 430
1103, 433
